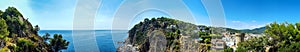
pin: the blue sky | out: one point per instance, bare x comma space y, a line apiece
240, 14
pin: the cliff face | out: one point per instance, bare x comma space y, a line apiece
17, 33
162, 35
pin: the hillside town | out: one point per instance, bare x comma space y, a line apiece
226, 39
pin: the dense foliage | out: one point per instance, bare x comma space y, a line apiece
3, 29
283, 37
229, 50
286, 36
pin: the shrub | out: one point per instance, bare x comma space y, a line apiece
3, 29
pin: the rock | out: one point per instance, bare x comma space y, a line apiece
2, 43
158, 42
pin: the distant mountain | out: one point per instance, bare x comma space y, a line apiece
254, 31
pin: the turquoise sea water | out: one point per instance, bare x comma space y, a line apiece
104, 38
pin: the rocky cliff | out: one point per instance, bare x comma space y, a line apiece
162, 35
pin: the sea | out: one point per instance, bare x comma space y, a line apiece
105, 38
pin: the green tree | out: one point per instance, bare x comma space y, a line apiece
294, 47
207, 40
228, 50
282, 37
146, 19
24, 45
46, 37
3, 29
36, 29
241, 49
1, 12
254, 44
57, 43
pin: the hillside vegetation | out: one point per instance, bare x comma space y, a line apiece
18, 35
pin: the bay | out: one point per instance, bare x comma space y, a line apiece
105, 38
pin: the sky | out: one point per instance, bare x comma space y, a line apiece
239, 14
